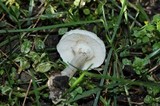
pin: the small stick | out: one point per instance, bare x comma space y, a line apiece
29, 86
154, 68
9, 58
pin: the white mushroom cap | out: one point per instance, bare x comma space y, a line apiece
76, 41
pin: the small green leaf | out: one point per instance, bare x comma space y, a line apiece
34, 57
43, 55
149, 27
153, 91
26, 46
43, 67
39, 44
86, 11
156, 18
156, 46
126, 62
148, 99
139, 64
24, 64
145, 39
1, 71
138, 41
72, 80
50, 9
62, 31
78, 90
85, 94
5, 89
124, 53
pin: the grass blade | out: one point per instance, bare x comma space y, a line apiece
51, 26
104, 73
36, 92
123, 81
85, 94
119, 20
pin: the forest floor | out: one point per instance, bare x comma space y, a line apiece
31, 29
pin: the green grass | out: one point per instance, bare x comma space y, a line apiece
30, 31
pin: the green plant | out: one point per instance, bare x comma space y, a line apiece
147, 40
40, 62
30, 31
149, 34
33, 60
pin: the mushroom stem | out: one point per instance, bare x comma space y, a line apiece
76, 63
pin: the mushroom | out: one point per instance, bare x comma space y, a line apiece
80, 49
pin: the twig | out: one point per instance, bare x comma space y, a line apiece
2, 17
27, 92
9, 58
154, 68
